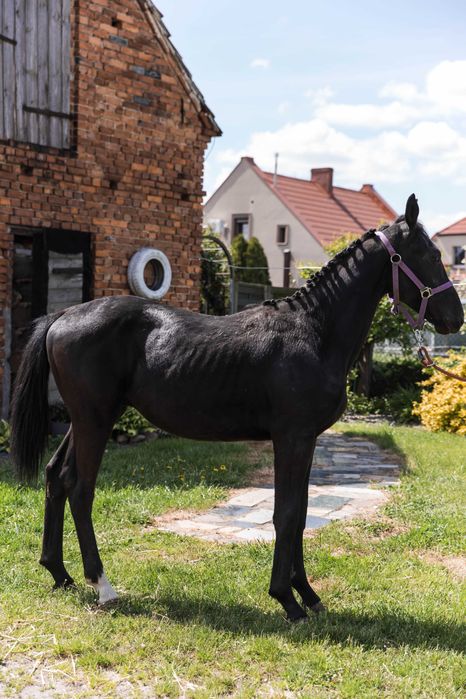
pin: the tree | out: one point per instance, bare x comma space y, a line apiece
256, 260
250, 261
239, 248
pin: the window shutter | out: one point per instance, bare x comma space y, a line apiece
7, 69
42, 66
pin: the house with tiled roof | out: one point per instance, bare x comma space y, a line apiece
294, 219
452, 242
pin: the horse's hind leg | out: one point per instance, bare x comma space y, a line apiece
90, 440
292, 457
56, 475
299, 578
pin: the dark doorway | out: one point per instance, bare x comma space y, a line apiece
51, 270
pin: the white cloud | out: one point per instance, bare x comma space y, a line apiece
260, 63
446, 86
406, 92
370, 116
433, 138
406, 133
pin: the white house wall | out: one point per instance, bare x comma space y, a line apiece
246, 193
447, 243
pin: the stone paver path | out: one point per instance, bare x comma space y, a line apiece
346, 480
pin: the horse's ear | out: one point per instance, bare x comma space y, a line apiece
412, 212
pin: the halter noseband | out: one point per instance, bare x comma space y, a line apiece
426, 291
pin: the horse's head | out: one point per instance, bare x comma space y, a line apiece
421, 278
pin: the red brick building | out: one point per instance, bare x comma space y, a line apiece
102, 141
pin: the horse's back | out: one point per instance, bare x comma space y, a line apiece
165, 361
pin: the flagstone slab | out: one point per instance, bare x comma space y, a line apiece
257, 516
250, 497
330, 501
313, 522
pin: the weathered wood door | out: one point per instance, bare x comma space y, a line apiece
35, 71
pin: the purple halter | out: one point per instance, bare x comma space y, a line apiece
426, 291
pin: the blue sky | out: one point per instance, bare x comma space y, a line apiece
376, 90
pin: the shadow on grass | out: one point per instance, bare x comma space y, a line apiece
369, 630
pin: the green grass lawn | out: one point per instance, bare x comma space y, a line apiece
194, 617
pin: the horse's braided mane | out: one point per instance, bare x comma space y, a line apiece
316, 279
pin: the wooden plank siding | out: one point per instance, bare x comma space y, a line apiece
35, 71
7, 71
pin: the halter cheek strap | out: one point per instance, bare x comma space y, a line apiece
425, 291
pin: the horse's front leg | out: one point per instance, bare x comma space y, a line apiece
299, 579
292, 459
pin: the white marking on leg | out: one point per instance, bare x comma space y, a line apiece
104, 589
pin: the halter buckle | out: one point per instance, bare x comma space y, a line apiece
426, 293
419, 335
395, 259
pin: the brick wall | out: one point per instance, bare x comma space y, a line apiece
135, 176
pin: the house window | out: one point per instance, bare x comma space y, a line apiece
459, 254
282, 234
35, 72
241, 225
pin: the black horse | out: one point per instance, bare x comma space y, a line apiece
274, 371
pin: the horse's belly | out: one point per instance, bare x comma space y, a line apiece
204, 415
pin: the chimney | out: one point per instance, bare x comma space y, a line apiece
324, 177
367, 188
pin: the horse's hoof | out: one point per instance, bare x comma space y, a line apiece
297, 618
318, 608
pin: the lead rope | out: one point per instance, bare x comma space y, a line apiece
427, 361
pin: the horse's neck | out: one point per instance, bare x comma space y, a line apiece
348, 298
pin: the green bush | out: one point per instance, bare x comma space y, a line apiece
397, 405
362, 405
4, 436
393, 390
132, 423
393, 371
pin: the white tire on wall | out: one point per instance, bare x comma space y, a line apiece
160, 273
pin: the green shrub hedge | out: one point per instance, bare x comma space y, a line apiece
393, 391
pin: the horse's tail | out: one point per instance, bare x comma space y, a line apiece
29, 409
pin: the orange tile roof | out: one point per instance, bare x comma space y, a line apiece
328, 216
369, 212
457, 228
